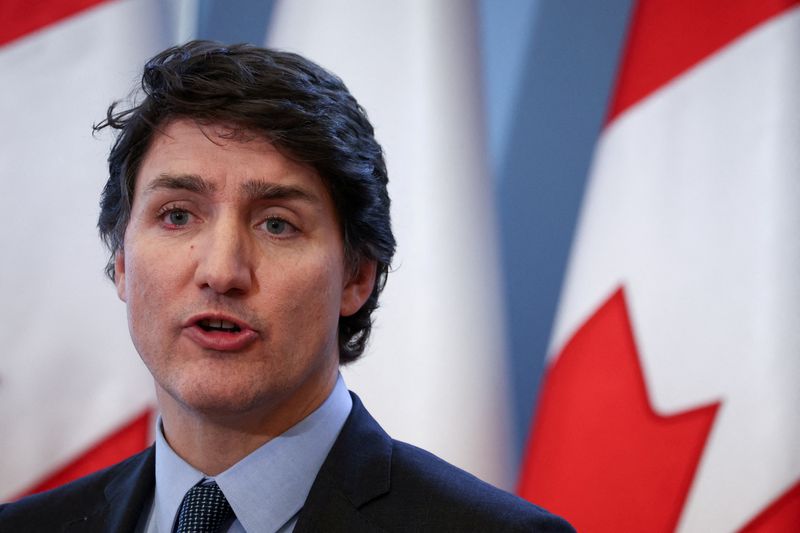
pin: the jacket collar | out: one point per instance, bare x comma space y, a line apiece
356, 471
128, 492
124, 497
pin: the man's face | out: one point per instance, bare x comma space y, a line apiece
234, 275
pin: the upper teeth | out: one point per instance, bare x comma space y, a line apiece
219, 324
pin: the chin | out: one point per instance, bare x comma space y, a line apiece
215, 398
218, 404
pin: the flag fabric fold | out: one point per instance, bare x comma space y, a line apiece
691, 213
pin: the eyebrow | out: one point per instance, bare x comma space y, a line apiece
260, 190
253, 190
188, 182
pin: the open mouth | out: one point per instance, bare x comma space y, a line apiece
218, 325
219, 333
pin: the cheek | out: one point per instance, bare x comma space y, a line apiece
144, 279
158, 262
151, 280
327, 281
309, 294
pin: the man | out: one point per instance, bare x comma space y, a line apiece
248, 221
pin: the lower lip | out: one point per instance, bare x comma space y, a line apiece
221, 341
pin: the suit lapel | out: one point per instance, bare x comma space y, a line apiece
356, 471
124, 497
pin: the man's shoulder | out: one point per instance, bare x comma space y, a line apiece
422, 480
394, 486
73, 502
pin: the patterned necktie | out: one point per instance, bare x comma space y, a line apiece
203, 510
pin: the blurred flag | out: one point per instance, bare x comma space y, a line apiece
73, 394
434, 373
672, 395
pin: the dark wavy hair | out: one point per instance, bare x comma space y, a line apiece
297, 105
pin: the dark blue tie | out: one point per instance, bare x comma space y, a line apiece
203, 510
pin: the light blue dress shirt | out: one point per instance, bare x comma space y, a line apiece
267, 488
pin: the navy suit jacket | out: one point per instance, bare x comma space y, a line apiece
368, 483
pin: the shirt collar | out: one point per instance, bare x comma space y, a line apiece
268, 487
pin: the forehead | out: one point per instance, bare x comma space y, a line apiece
224, 157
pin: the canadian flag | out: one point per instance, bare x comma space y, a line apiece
74, 395
671, 398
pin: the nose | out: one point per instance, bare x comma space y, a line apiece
223, 258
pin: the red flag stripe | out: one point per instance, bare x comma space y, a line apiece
132, 438
667, 37
21, 17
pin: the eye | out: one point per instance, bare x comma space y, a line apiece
176, 217
179, 218
278, 226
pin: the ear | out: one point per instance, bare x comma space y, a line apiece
358, 287
119, 273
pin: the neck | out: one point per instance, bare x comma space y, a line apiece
212, 442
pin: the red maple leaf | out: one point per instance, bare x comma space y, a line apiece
782, 516
599, 454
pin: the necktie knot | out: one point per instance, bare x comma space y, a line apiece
203, 510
